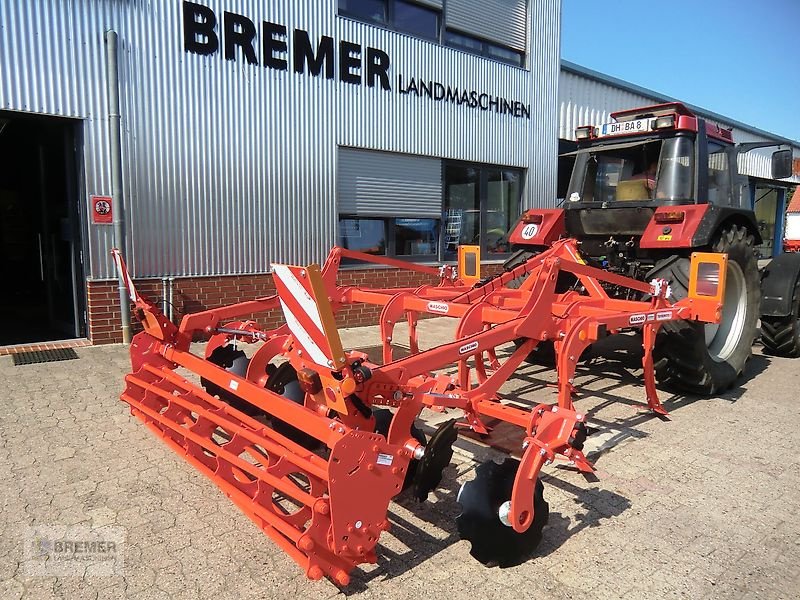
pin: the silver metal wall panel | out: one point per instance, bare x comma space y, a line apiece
384, 184
588, 101
544, 45
502, 21
227, 165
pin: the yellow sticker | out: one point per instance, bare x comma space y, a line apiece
664, 238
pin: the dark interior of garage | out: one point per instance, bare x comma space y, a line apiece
40, 270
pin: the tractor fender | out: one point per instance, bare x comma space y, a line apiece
778, 281
717, 218
538, 227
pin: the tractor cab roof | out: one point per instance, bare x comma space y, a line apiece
655, 119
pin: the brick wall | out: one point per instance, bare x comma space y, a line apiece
195, 294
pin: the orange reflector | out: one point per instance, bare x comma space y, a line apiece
469, 264
309, 381
672, 216
707, 276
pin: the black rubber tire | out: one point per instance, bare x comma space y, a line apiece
682, 360
781, 335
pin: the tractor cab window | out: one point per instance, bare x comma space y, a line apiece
621, 172
676, 170
719, 176
649, 170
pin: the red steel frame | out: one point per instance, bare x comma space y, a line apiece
328, 513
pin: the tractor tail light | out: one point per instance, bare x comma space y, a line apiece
707, 279
584, 133
666, 122
529, 218
673, 216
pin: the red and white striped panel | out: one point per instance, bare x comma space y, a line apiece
122, 269
296, 294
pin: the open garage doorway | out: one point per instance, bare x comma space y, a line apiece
42, 297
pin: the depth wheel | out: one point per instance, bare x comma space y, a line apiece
707, 358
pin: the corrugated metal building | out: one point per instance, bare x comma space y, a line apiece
255, 132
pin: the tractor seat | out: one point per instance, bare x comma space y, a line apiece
633, 189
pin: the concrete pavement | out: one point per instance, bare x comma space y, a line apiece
702, 506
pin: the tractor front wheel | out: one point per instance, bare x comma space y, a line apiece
708, 358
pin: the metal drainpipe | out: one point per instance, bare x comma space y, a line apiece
114, 133
171, 299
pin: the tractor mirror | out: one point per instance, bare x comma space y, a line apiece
782, 164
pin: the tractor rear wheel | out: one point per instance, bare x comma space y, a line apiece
781, 335
708, 358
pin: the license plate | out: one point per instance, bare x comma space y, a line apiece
625, 127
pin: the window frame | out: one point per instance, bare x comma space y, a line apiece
485, 46
443, 30
389, 23
389, 224
483, 200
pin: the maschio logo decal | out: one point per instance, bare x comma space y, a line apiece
439, 307
637, 319
468, 347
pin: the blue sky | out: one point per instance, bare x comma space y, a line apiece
738, 58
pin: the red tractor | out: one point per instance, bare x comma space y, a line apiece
647, 190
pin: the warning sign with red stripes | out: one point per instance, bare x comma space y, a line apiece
308, 313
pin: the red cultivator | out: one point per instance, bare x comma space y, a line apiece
312, 442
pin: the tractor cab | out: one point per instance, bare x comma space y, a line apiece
645, 159
662, 155
653, 180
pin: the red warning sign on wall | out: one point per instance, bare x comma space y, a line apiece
101, 209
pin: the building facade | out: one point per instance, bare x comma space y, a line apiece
261, 132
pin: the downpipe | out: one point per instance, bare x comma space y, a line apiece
115, 147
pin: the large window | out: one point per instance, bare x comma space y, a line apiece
481, 205
421, 208
425, 20
400, 237
644, 171
719, 176
474, 45
400, 15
